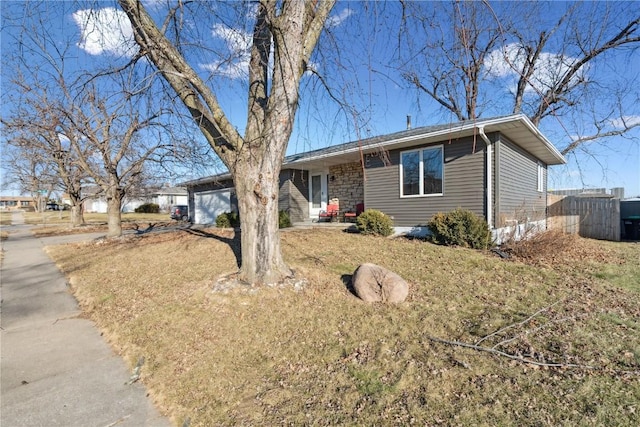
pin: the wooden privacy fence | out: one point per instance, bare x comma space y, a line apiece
593, 217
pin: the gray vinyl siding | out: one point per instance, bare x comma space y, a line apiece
464, 184
294, 191
519, 198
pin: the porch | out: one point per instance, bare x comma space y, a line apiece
321, 190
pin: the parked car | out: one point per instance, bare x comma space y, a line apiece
53, 207
180, 212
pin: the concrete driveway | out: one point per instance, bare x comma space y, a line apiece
56, 370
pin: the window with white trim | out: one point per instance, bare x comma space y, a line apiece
421, 172
540, 177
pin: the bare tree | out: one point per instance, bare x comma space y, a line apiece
36, 133
25, 167
546, 60
450, 64
91, 126
287, 31
109, 133
33, 85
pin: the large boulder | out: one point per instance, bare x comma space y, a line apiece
373, 283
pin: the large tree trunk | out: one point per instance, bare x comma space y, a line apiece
77, 216
77, 213
257, 188
114, 205
291, 30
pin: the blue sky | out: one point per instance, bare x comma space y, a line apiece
380, 99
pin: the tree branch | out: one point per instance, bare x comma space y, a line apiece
194, 93
513, 325
517, 358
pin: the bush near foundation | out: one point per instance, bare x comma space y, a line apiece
148, 208
228, 220
284, 221
374, 222
460, 227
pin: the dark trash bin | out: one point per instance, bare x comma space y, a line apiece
631, 228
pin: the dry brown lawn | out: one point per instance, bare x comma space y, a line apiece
5, 218
320, 356
57, 223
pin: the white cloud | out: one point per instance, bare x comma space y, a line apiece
625, 122
550, 67
334, 21
105, 31
239, 43
232, 70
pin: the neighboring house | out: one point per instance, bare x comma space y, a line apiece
169, 196
17, 202
98, 204
164, 198
496, 168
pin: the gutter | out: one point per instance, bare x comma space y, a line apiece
489, 176
387, 143
548, 145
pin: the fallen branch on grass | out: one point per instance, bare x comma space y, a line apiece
525, 360
522, 358
512, 356
513, 325
529, 332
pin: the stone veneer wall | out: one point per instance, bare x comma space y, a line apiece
346, 182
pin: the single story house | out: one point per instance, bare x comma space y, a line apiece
18, 202
494, 167
164, 197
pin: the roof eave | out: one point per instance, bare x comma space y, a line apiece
556, 158
551, 157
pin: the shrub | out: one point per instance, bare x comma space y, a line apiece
375, 223
222, 221
283, 220
228, 220
148, 208
460, 227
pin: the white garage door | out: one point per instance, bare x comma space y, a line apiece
210, 204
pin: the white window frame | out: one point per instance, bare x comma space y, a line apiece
421, 171
540, 177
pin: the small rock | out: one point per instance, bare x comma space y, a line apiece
373, 283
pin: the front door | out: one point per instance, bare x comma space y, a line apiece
318, 197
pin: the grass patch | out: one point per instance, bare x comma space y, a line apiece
5, 218
321, 356
64, 217
55, 223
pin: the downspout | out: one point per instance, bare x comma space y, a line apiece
489, 177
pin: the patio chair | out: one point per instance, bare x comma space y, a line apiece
330, 214
351, 216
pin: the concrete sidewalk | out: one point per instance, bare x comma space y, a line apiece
56, 370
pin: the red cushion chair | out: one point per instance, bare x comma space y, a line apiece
330, 214
351, 216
